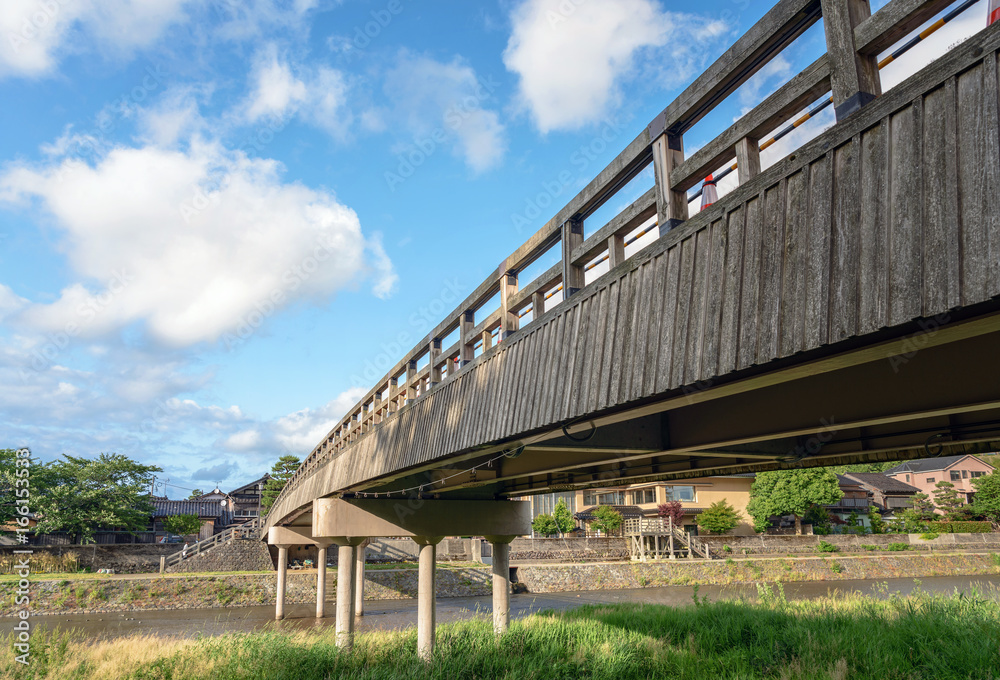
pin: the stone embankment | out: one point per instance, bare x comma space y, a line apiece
240, 590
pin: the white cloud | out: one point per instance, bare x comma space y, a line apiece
572, 58
10, 302
449, 100
281, 89
36, 34
189, 244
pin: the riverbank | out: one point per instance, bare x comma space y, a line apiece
835, 637
104, 594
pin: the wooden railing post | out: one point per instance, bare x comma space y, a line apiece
468, 344
855, 76
668, 153
537, 304
411, 380
572, 237
434, 353
509, 321
747, 159
616, 250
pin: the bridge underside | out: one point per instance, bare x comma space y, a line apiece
933, 391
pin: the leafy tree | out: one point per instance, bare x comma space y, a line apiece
607, 519
922, 506
110, 491
791, 492
563, 517
545, 525
196, 493
820, 518
862, 467
987, 500
947, 500
24, 481
878, 524
182, 525
280, 474
672, 510
718, 518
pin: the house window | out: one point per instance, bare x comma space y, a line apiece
965, 474
641, 496
680, 493
977, 474
907, 477
956, 476
930, 480
607, 498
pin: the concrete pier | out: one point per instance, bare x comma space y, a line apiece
279, 597
345, 595
426, 596
321, 582
359, 580
501, 583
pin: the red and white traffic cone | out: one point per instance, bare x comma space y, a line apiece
994, 12
709, 194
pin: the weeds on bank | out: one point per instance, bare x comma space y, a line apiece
921, 636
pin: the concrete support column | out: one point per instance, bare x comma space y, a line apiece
501, 582
359, 580
279, 596
321, 582
425, 595
345, 594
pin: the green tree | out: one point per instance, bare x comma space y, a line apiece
718, 518
947, 500
922, 506
182, 525
545, 525
607, 519
878, 524
987, 499
196, 493
281, 472
791, 492
862, 467
563, 517
110, 491
21, 478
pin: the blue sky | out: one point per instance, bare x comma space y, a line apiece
220, 220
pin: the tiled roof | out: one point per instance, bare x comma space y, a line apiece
200, 508
927, 464
247, 487
882, 483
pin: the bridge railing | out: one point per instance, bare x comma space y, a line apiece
854, 38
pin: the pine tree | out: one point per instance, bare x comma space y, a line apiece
947, 499
280, 474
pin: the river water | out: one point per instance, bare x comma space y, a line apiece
396, 614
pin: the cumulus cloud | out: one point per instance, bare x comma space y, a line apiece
190, 244
571, 58
281, 89
448, 100
38, 33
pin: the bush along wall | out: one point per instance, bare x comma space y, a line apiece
961, 527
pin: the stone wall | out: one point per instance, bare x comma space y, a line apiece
240, 554
569, 549
229, 590
770, 544
612, 576
124, 559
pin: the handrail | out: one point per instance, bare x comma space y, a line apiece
249, 529
853, 40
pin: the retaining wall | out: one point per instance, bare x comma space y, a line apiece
771, 544
240, 554
124, 559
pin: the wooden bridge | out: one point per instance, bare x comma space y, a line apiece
839, 306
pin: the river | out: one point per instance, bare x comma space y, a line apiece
396, 614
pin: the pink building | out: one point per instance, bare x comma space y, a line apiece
926, 473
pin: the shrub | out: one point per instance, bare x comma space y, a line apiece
727, 549
718, 518
961, 527
868, 546
929, 536
836, 567
897, 547
827, 547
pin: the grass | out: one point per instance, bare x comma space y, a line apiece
921, 636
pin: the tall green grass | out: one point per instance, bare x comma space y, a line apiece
919, 637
